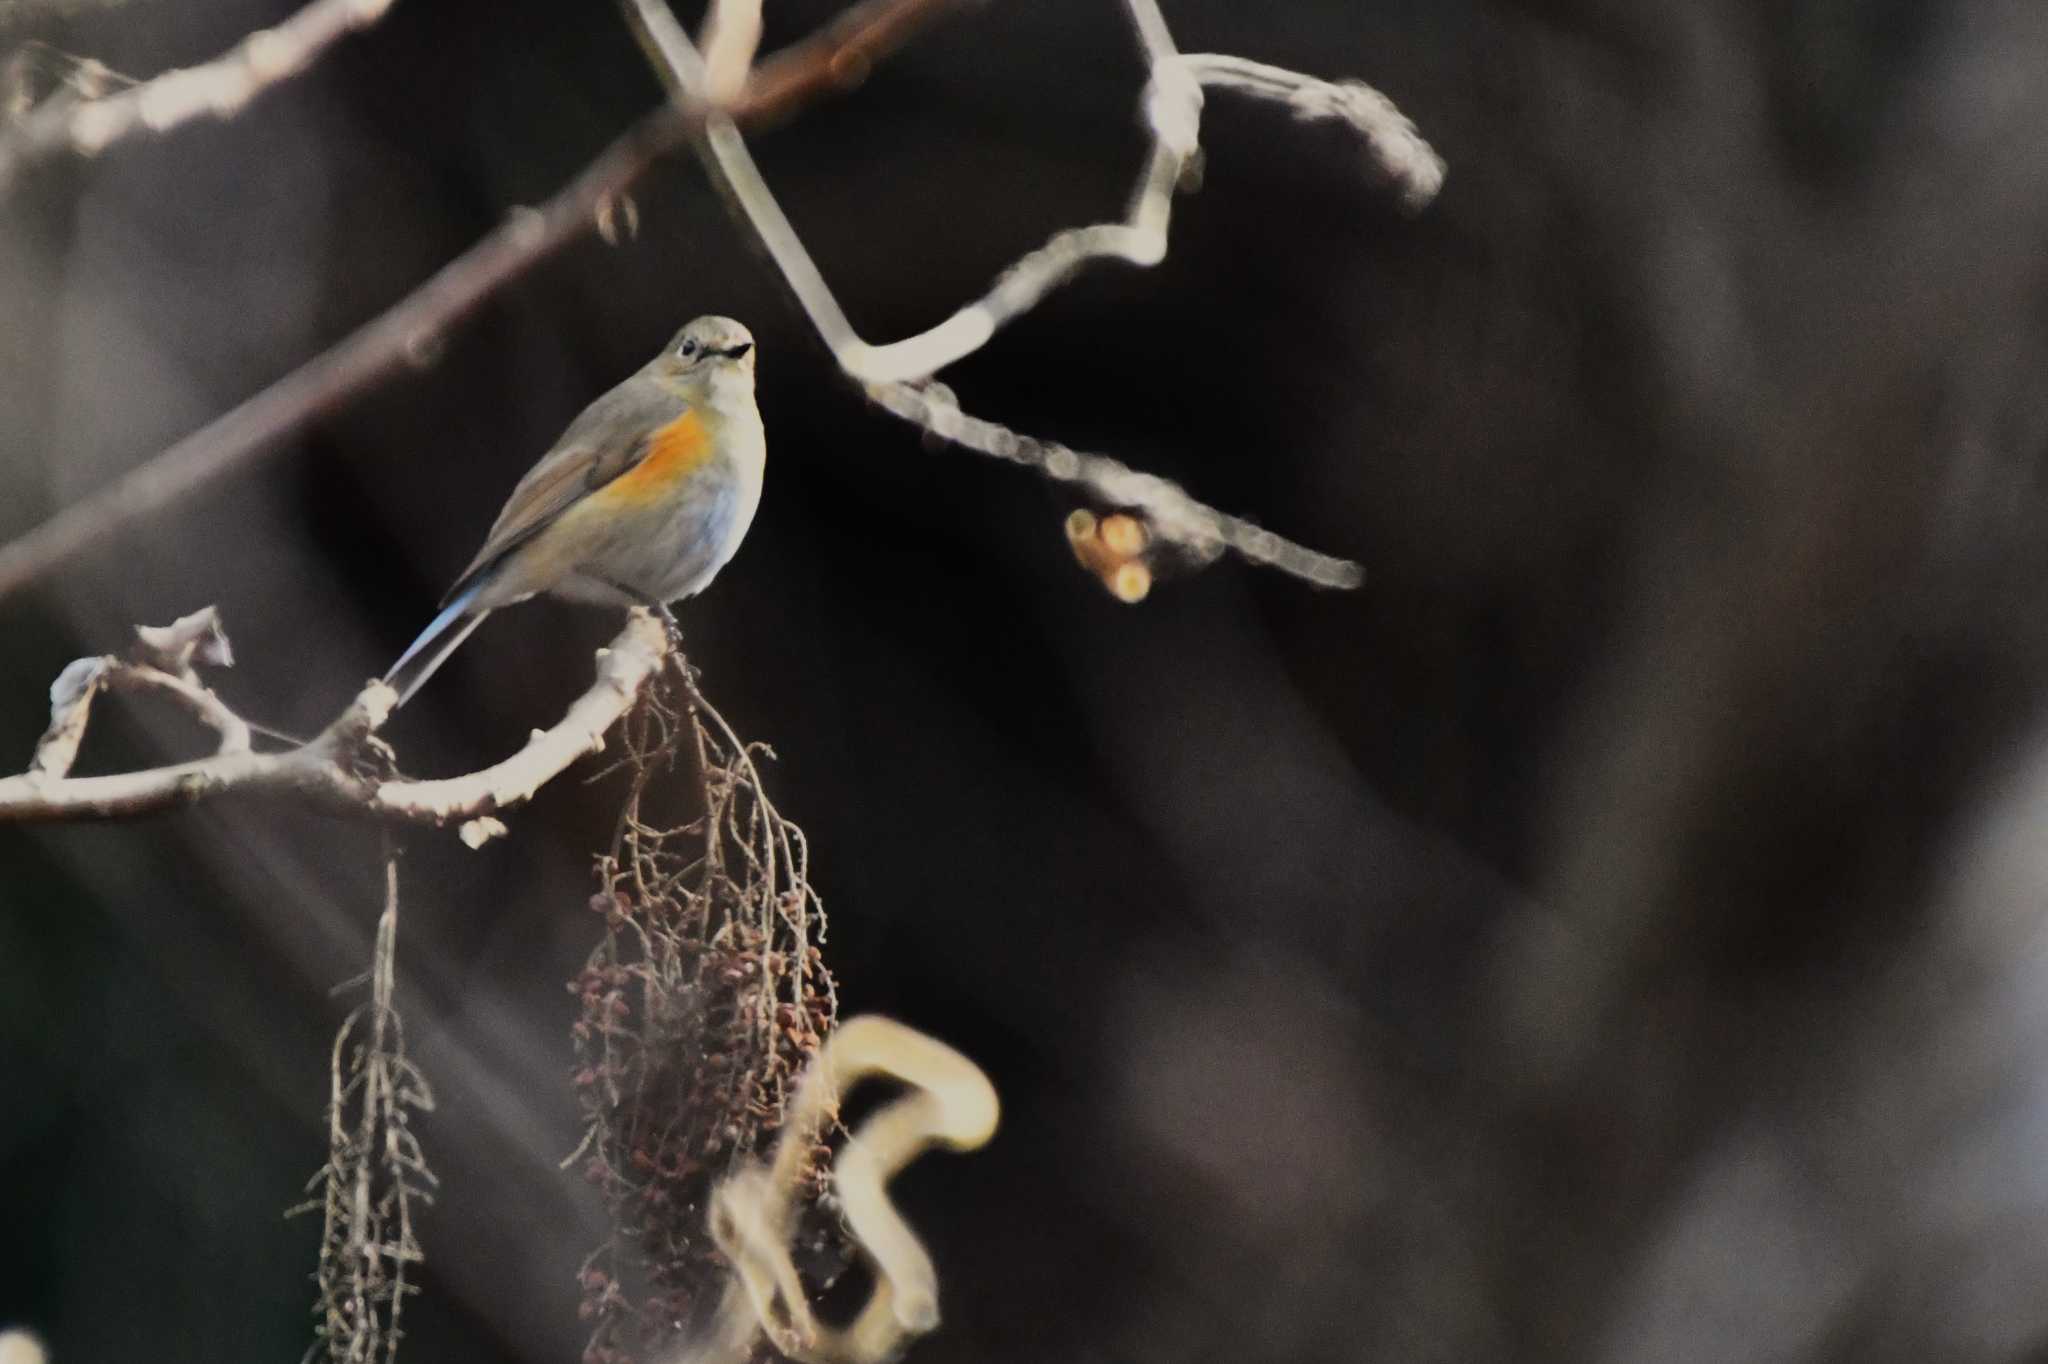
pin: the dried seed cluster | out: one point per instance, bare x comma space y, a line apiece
701, 1006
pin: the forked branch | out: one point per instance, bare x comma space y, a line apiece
896, 375
347, 768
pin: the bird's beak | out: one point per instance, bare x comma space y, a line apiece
737, 351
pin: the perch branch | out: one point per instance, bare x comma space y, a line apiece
894, 375
405, 334
220, 88
346, 768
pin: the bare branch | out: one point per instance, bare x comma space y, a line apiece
161, 661
70, 708
732, 31
188, 640
624, 667
1198, 529
69, 77
1397, 149
346, 768
753, 1211
219, 89
21, 1347
891, 374
404, 334
205, 707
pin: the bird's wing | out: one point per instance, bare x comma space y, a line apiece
611, 436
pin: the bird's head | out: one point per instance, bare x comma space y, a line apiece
708, 355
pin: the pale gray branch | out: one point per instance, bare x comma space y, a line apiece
626, 666
1396, 148
892, 374
732, 32
161, 661
220, 88
346, 768
196, 698
1200, 530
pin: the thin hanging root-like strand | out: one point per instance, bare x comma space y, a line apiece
375, 1172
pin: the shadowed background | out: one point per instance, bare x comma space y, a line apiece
1612, 933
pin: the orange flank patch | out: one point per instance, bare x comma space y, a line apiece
672, 453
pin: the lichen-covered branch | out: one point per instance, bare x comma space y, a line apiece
346, 768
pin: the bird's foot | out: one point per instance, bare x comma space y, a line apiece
658, 608
672, 625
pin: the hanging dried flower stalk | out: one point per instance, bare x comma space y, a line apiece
375, 1173
701, 1006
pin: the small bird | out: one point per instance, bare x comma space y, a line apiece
642, 500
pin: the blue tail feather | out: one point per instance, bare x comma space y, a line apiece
457, 615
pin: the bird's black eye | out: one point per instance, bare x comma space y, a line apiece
689, 349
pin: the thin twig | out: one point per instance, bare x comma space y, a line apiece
406, 333
1397, 149
200, 701
221, 88
1201, 531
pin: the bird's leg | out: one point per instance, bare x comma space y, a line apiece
659, 608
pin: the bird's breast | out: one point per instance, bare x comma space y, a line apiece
674, 452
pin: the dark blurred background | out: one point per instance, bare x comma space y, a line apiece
1611, 934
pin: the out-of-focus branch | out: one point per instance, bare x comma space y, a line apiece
732, 31
1399, 152
1199, 530
895, 375
404, 335
221, 88
70, 78
754, 1210
346, 768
